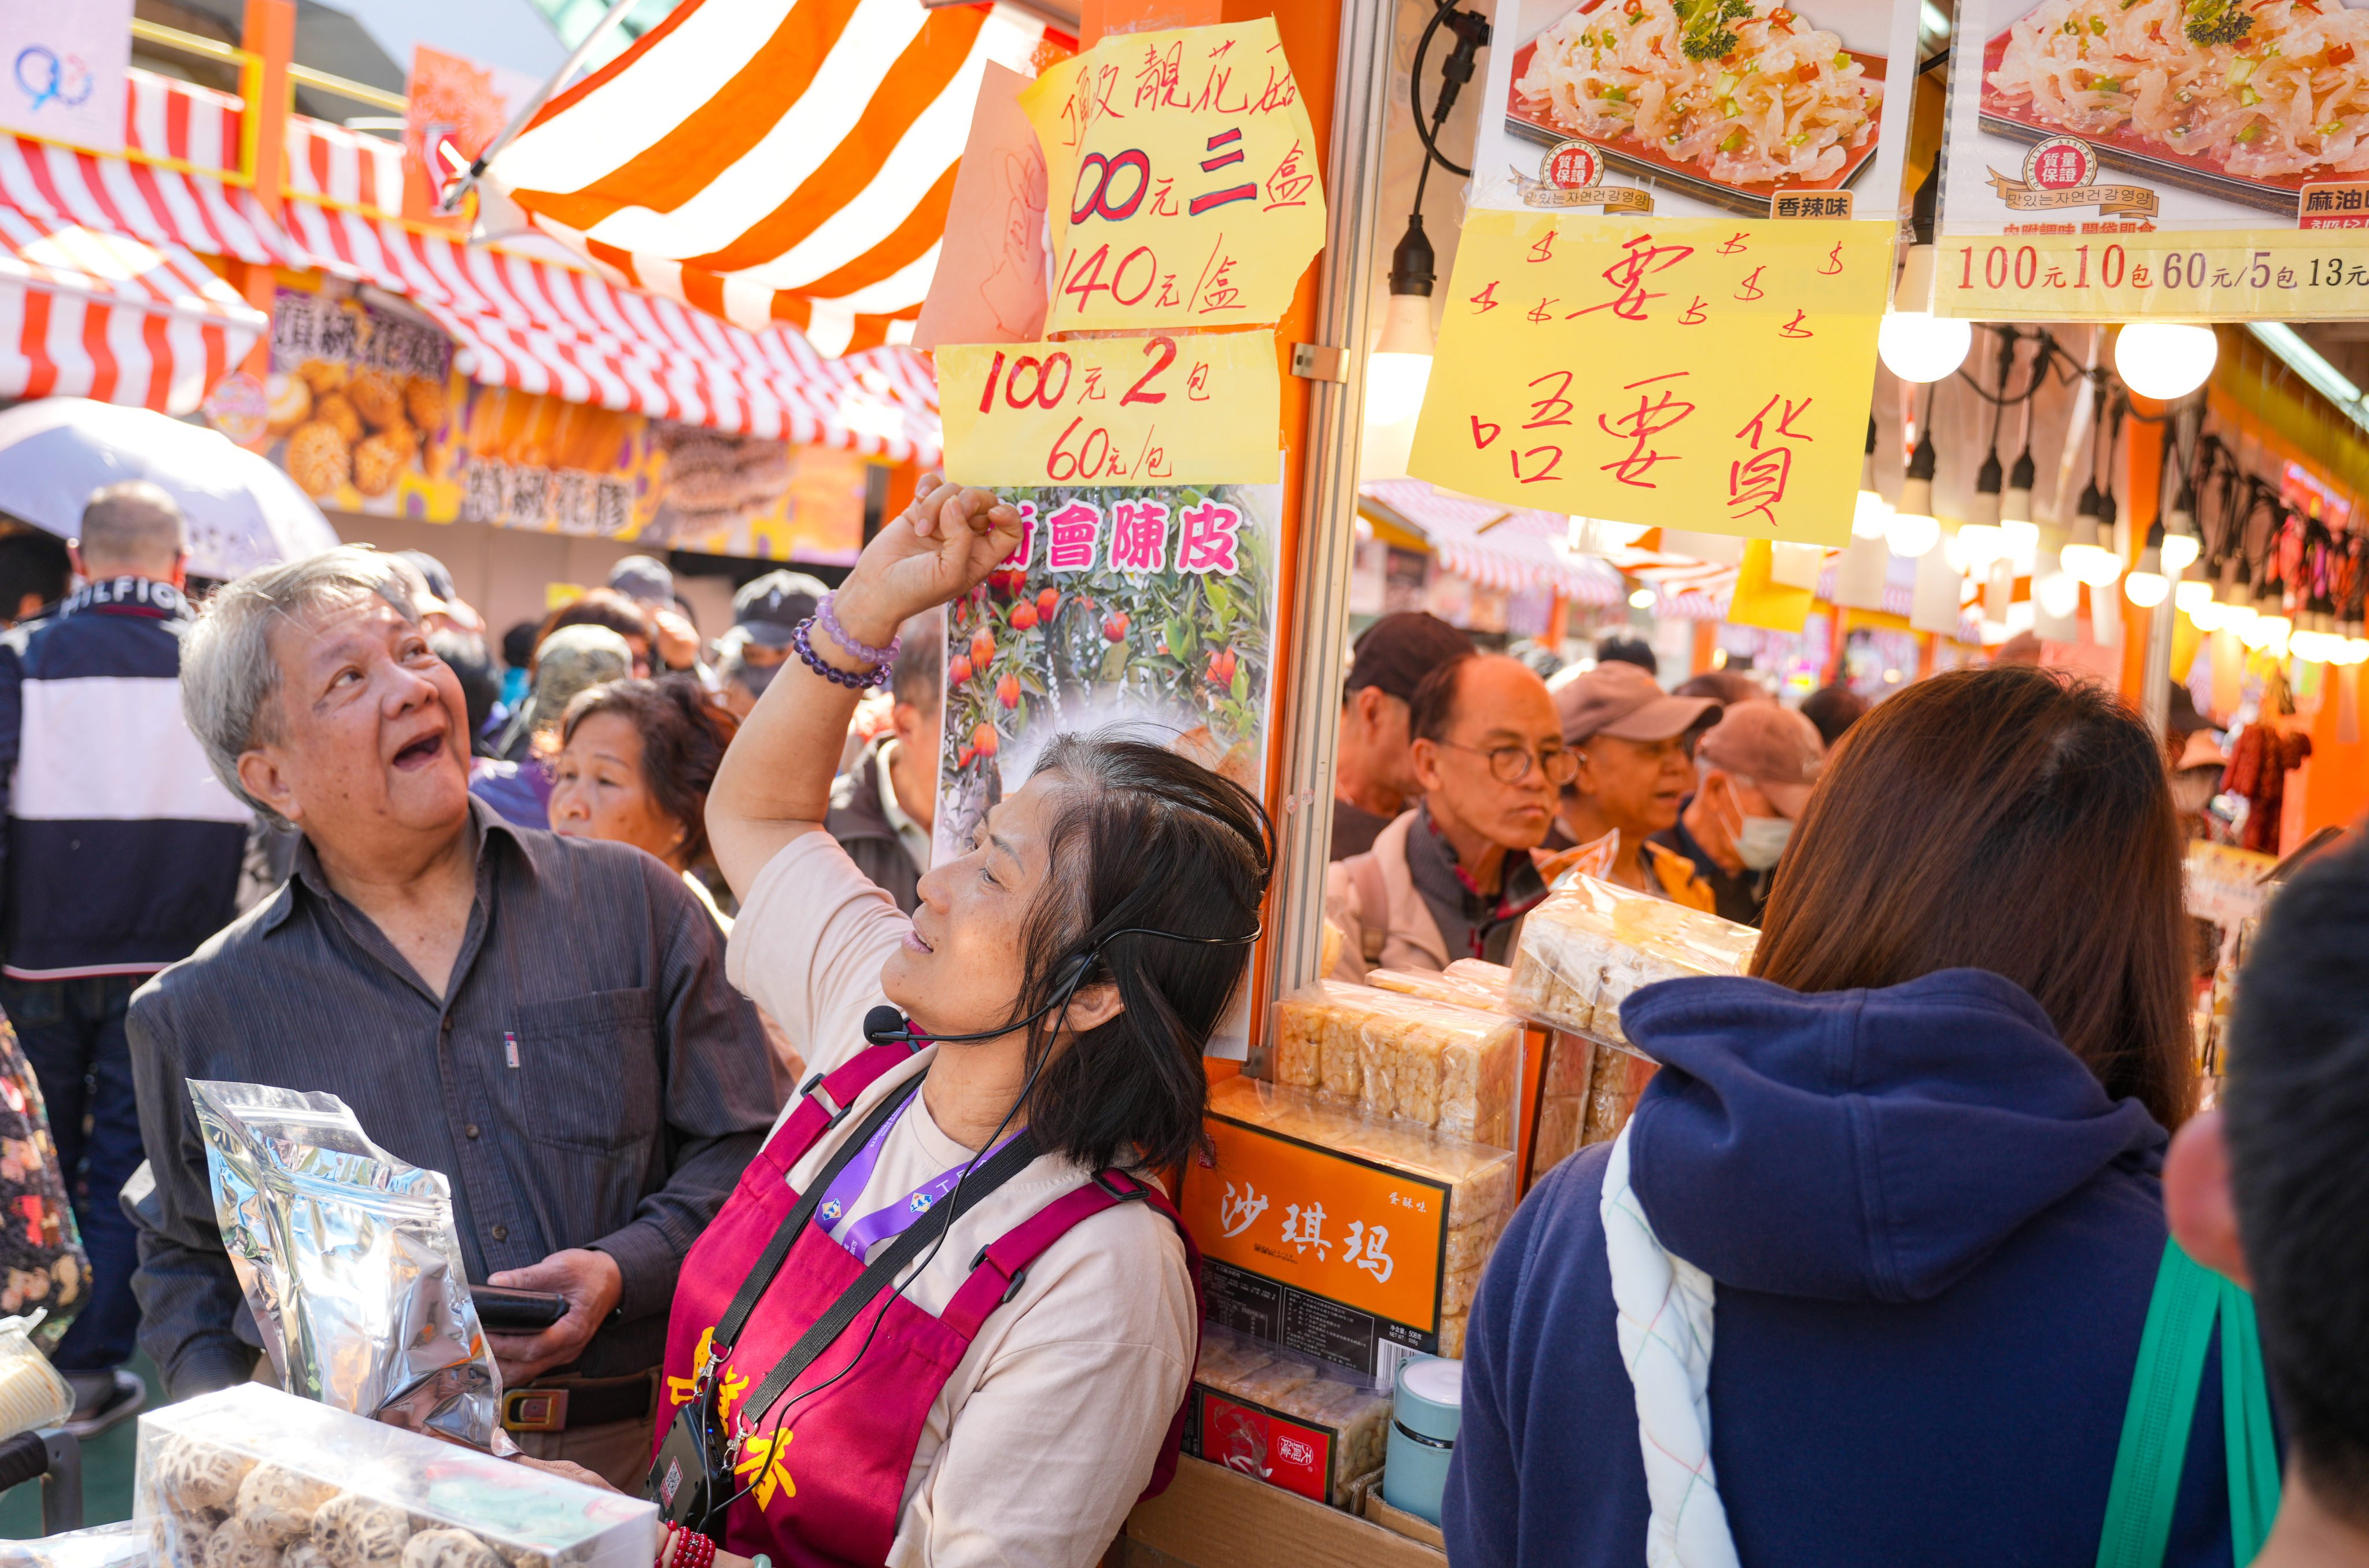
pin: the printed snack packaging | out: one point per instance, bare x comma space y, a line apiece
1438, 1064
1288, 1420
1591, 943
1352, 1237
250, 1477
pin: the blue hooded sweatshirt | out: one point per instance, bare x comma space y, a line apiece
1934, 1239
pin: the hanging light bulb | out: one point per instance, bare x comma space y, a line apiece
2193, 592
1913, 528
2022, 534
2165, 360
2180, 544
1980, 539
2314, 639
2269, 629
2059, 593
1641, 598
1914, 344
2088, 560
1871, 513
2146, 585
1399, 370
2356, 646
2236, 600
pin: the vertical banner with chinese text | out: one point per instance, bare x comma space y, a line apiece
1700, 373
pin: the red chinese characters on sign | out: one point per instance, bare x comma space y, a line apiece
1756, 483
1072, 537
1640, 260
1139, 536
1656, 411
1225, 149
1207, 540
1018, 559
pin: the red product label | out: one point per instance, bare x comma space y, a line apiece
1259, 1443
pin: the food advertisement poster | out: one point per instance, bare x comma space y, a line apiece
453, 107
1152, 608
1697, 107
365, 412
2156, 157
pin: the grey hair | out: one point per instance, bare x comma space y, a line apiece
131, 524
229, 674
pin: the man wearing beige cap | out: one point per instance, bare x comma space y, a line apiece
1756, 769
1635, 746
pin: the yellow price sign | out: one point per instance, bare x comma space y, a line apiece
1705, 374
2234, 275
1181, 166
1197, 409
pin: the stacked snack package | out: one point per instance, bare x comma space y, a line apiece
1581, 955
1434, 1062
1289, 1420
1475, 1183
253, 1478
1591, 943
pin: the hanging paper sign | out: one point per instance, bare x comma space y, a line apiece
1691, 107
2119, 159
1181, 167
1698, 374
62, 72
1202, 409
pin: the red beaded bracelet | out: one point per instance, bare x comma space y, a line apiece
696, 1550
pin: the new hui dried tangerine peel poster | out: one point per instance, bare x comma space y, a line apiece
1703, 373
1689, 108
2182, 159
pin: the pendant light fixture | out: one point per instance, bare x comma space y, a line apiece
1913, 528
1871, 513
2146, 585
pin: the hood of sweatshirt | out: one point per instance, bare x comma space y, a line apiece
1862, 1145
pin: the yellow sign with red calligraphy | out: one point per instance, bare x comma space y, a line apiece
1181, 172
1705, 374
1337, 1227
1200, 409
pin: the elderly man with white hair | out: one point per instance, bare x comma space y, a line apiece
122, 856
544, 1020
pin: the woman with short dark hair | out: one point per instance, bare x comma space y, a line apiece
1909, 1170
634, 764
1004, 1074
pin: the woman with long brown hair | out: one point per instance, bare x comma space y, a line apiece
1908, 1168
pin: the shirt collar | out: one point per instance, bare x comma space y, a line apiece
485, 826
890, 807
127, 596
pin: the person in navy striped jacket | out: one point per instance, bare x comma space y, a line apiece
123, 854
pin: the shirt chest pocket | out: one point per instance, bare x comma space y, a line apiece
583, 1070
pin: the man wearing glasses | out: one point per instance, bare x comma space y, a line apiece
1634, 745
1452, 878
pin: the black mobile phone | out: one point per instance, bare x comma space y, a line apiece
516, 1311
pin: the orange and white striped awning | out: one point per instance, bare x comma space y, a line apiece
774, 160
101, 295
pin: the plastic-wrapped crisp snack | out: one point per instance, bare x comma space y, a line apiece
121, 1545
1591, 943
1345, 1417
1438, 986
1480, 1179
253, 1478
1441, 1065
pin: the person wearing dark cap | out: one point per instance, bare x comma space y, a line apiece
766, 612
1834, 708
1635, 744
1629, 650
1373, 777
1755, 767
1725, 687
649, 582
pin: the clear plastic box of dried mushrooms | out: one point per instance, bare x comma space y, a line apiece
1435, 1063
252, 1478
1592, 943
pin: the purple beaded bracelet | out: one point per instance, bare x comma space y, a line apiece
827, 611
804, 645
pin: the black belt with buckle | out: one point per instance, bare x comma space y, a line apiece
574, 1403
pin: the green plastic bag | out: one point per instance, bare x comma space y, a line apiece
2188, 1300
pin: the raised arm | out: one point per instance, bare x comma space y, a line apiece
775, 781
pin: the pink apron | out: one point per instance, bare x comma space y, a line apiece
826, 1485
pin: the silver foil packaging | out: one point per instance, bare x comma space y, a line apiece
351, 1263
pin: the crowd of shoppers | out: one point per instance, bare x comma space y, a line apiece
1914, 1168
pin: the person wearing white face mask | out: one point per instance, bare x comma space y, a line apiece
1755, 770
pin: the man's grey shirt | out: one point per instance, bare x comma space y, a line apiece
588, 1080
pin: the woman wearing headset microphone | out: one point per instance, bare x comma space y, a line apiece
946, 1318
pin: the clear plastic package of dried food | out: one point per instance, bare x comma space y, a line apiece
1447, 1065
1291, 1421
123, 1545
1439, 985
253, 1478
1591, 943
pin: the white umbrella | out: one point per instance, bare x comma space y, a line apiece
243, 512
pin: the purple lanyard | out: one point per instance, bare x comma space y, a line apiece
890, 1220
